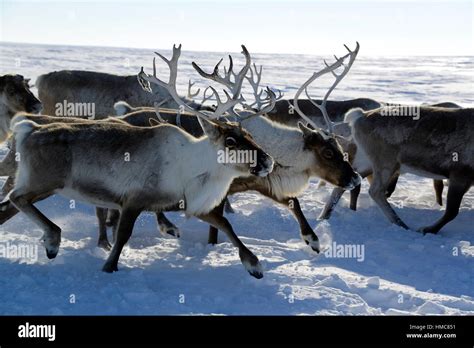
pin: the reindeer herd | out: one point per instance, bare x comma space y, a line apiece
150, 149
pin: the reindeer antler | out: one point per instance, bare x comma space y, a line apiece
145, 81
232, 81
338, 77
192, 95
254, 79
269, 100
234, 87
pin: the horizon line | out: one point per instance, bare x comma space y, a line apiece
210, 51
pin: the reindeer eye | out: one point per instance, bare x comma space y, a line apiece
230, 142
328, 154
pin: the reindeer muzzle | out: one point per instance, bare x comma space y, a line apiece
355, 180
264, 166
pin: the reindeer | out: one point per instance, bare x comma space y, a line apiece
140, 120
299, 153
438, 145
169, 170
15, 96
363, 166
100, 89
284, 112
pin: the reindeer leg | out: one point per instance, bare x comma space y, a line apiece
213, 231
9, 164
392, 185
457, 189
378, 188
103, 242
8, 168
52, 233
292, 203
249, 260
307, 233
7, 211
438, 187
331, 203
228, 207
113, 216
8, 186
124, 231
355, 192
337, 194
166, 226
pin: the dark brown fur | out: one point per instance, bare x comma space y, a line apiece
441, 143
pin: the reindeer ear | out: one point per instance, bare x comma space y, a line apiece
306, 131
153, 122
210, 128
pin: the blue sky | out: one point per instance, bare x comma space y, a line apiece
270, 26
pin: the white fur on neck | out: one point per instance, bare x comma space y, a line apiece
206, 186
286, 183
286, 146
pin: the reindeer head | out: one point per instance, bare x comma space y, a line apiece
236, 148
329, 161
15, 94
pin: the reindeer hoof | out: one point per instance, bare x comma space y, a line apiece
51, 244
104, 244
109, 268
254, 267
313, 242
428, 229
171, 230
258, 275
51, 254
52, 250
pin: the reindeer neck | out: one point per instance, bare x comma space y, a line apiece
283, 143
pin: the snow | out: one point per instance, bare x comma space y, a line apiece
401, 272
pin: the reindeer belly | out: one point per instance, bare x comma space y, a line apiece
425, 162
420, 172
94, 195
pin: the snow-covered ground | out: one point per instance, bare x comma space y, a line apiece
396, 272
